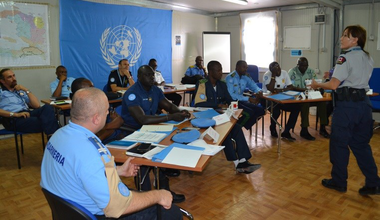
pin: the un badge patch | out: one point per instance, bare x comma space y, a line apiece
131, 97
121, 42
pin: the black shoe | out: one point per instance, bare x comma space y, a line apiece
172, 172
365, 190
287, 136
324, 133
177, 198
328, 183
247, 167
305, 134
273, 132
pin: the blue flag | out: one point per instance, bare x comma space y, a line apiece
94, 37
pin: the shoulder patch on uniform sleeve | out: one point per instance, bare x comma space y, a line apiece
265, 78
203, 81
233, 74
341, 60
131, 97
112, 79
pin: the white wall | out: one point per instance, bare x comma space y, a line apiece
317, 59
189, 27
362, 14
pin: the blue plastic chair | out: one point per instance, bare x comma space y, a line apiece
253, 71
375, 86
63, 209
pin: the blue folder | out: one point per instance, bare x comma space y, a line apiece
281, 96
159, 157
206, 114
123, 143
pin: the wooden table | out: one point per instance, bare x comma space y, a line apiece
294, 101
275, 102
223, 130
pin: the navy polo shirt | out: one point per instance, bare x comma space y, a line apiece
136, 95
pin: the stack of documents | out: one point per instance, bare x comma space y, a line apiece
180, 154
148, 137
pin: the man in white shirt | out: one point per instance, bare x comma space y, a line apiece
276, 80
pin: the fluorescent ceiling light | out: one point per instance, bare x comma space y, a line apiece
240, 2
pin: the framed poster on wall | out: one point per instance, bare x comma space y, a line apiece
24, 37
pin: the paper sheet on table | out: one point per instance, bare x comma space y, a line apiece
292, 93
221, 119
183, 157
154, 128
60, 102
210, 149
192, 109
149, 137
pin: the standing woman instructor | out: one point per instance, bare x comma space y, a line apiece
352, 122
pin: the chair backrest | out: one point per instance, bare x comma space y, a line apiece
253, 71
374, 84
63, 209
105, 88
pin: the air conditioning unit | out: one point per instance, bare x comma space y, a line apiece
320, 19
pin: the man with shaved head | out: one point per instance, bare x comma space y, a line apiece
78, 167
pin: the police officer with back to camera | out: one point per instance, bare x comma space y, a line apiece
352, 122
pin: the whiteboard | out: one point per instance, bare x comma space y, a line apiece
297, 37
217, 46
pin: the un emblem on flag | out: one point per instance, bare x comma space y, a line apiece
121, 42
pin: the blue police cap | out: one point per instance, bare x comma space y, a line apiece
203, 122
186, 137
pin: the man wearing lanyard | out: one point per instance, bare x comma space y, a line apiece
121, 78
15, 101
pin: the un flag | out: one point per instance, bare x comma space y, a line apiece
94, 37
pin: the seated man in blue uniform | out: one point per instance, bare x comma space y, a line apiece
298, 75
121, 78
212, 92
78, 167
139, 107
197, 68
111, 130
276, 80
62, 85
237, 82
17, 102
